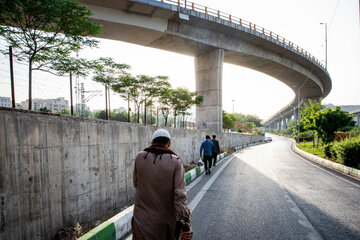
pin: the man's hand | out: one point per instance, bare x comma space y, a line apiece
201, 155
187, 235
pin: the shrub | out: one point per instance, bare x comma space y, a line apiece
347, 152
341, 136
328, 151
355, 131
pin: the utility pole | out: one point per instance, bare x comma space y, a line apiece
12, 77
233, 106
325, 24
82, 91
71, 96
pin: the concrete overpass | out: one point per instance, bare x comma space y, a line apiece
213, 37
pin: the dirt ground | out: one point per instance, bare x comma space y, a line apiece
73, 232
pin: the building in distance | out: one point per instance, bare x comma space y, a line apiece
5, 102
54, 105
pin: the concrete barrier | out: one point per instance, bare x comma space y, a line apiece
119, 226
57, 170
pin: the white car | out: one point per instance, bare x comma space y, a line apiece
268, 139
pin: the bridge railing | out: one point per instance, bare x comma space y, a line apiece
239, 21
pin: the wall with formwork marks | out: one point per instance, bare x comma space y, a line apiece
57, 170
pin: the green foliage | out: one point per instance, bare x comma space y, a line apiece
309, 115
115, 116
274, 131
42, 32
119, 116
228, 120
181, 99
306, 134
248, 118
328, 151
324, 121
329, 121
347, 152
44, 109
69, 65
100, 114
309, 147
178, 100
355, 131
140, 89
41, 29
107, 71
64, 111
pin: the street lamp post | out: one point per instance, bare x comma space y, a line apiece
233, 106
325, 24
298, 115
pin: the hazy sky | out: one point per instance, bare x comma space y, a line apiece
253, 92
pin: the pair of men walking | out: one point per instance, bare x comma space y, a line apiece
210, 148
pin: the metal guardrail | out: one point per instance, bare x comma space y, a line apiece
233, 19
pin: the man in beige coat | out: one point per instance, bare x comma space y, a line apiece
161, 200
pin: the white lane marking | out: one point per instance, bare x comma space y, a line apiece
325, 170
193, 183
303, 220
206, 187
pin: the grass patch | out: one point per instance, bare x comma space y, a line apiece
308, 147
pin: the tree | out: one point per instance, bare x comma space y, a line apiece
181, 99
101, 114
64, 111
140, 89
329, 121
164, 104
119, 116
228, 120
45, 109
108, 72
324, 121
243, 118
70, 66
151, 87
42, 30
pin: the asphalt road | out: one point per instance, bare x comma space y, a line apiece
269, 192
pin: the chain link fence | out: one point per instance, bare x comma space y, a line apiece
52, 93
47, 89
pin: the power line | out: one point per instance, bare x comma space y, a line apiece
332, 18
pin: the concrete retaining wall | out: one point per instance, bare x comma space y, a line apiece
59, 170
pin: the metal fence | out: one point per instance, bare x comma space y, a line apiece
187, 5
53, 93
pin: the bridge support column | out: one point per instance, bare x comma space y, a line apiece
208, 77
296, 115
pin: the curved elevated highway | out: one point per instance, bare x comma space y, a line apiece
213, 37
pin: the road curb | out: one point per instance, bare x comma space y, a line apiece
119, 226
327, 163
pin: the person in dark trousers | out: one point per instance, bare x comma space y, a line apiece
206, 147
216, 149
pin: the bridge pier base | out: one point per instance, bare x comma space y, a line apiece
208, 77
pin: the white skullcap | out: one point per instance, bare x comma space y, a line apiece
161, 133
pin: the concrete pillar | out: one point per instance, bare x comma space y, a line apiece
296, 114
208, 77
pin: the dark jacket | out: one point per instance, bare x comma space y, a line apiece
216, 148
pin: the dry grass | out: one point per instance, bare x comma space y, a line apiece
188, 167
73, 232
